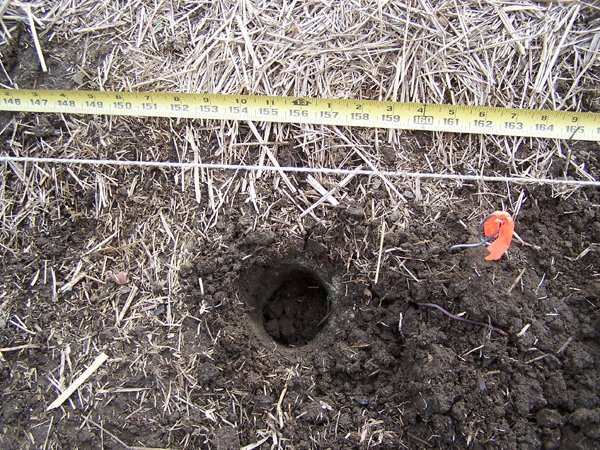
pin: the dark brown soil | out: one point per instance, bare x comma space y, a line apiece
382, 369
297, 310
287, 342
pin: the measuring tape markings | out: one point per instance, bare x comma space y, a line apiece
345, 112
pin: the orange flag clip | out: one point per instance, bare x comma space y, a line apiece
497, 228
502, 225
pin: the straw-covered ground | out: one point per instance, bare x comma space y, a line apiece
236, 308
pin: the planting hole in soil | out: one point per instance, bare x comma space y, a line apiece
298, 308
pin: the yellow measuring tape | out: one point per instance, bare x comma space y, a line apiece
362, 113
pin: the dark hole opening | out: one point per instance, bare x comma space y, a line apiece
297, 310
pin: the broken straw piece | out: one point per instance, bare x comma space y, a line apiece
100, 359
502, 224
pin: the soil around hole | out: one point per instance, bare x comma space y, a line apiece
297, 310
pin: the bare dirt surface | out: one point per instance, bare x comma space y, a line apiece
383, 369
238, 326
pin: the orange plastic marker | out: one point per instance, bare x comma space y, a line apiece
499, 223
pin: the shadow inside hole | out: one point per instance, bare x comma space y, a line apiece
297, 310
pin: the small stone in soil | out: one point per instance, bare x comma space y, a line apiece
361, 400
